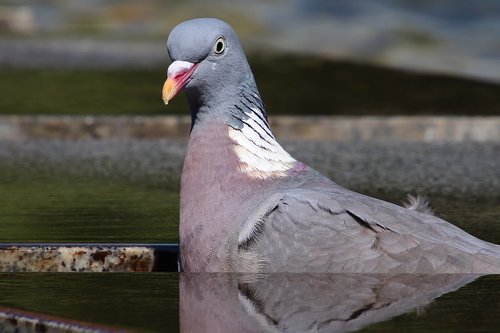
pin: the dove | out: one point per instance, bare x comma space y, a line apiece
246, 205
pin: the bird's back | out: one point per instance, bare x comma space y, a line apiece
330, 229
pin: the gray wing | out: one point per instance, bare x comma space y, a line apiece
336, 230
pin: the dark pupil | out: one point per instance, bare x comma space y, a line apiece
219, 46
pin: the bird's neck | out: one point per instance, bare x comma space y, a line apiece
247, 126
218, 102
260, 156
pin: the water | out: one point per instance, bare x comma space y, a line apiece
168, 302
127, 191
139, 302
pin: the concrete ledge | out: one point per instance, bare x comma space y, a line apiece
338, 128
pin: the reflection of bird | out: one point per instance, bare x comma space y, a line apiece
247, 205
304, 302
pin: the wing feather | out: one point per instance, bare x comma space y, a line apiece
330, 231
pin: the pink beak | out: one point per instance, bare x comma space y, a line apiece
178, 74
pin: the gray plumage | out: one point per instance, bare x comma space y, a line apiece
246, 205
304, 302
418, 203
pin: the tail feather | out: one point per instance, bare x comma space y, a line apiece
418, 203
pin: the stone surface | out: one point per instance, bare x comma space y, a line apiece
308, 128
76, 259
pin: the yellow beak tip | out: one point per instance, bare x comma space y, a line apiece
169, 90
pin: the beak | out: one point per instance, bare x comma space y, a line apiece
178, 75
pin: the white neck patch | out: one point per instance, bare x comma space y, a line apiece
259, 154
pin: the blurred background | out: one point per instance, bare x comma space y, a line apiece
381, 56
449, 36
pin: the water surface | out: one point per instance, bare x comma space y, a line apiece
169, 302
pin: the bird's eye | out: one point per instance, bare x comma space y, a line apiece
220, 45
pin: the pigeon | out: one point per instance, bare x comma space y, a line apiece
246, 205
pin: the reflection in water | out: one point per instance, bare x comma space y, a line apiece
304, 302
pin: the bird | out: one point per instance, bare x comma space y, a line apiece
246, 205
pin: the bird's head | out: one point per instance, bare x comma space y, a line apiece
207, 59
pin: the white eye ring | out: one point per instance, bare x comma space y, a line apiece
219, 46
